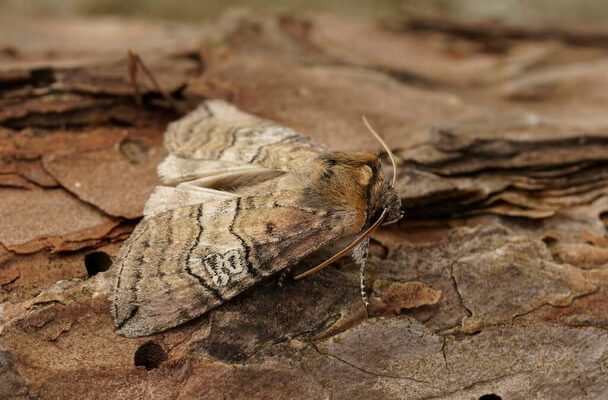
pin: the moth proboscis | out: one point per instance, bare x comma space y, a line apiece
241, 199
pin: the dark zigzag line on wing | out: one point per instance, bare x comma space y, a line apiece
255, 159
244, 244
132, 241
233, 262
162, 256
232, 132
137, 262
216, 293
182, 260
166, 285
132, 314
196, 123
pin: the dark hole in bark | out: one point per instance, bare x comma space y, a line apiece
42, 76
149, 355
490, 396
550, 241
96, 262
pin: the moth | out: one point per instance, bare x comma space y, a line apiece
241, 199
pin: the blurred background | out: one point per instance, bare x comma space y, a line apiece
590, 13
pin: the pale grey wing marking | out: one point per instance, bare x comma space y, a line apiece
124, 279
165, 198
217, 130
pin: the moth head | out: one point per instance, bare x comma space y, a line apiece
356, 181
369, 194
382, 196
359, 171
390, 202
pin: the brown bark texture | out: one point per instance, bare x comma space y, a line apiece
494, 284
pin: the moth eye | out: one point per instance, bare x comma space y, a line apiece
376, 215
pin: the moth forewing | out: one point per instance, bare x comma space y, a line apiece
181, 263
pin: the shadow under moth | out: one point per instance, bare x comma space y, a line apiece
241, 199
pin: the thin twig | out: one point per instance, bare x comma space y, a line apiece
135, 60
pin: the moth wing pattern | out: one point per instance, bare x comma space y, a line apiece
165, 198
217, 146
179, 264
218, 132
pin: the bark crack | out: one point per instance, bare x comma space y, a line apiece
548, 304
455, 285
367, 372
444, 355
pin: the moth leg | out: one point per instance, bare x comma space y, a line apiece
362, 284
359, 256
284, 275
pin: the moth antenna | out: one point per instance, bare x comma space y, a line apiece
388, 150
346, 250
